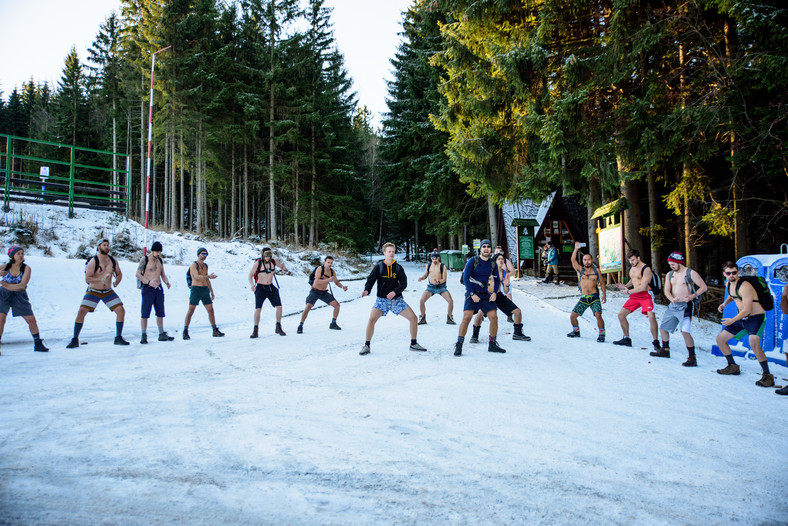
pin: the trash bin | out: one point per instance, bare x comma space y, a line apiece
761, 265
453, 259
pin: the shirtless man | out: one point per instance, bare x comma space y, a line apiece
324, 275
14, 278
98, 275
588, 276
639, 297
748, 322
261, 278
682, 285
436, 271
201, 292
151, 273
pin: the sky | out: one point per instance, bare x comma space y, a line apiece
36, 46
300, 430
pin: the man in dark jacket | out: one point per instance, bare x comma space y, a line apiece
480, 282
392, 282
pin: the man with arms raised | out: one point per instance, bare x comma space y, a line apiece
324, 275
640, 297
749, 322
481, 281
392, 282
588, 276
682, 286
437, 274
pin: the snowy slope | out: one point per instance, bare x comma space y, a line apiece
302, 430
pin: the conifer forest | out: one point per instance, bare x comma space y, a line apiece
680, 107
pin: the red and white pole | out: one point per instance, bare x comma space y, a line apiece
150, 142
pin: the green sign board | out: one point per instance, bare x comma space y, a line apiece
526, 247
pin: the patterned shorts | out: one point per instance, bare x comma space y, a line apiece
93, 297
590, 300
385, 305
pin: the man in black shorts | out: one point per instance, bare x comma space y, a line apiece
261, 278
504, 304
324, 275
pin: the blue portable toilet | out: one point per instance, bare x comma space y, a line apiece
756, 265
777, 277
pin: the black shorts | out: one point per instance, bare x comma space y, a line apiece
504, 304
323, 295
261, 292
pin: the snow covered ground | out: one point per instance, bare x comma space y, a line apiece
301, 430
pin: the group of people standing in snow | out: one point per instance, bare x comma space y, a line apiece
486, 278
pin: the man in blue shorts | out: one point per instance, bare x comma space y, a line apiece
392, 282
749, 322
437, 274
481, 282
151, 275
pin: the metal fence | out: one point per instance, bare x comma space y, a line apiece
60, 174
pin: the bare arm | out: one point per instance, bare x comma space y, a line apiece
700, 285
575, 264
251, 275
747, 294
164, 277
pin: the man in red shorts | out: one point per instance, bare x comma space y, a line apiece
640, 297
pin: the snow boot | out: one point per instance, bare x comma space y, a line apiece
364, 350
573, 334
730, 369
217, 333
186, 334
783, 391
662, 353
144, 339
458, 349
657, 346
475, 335
279, 330
450, 320
38, 346
300, 329
691, 361
73, 344
255, 333
334, 326
767, 380
601, 338
120, 341
422, 320
518, 333
164, 337
494, 347
625, 341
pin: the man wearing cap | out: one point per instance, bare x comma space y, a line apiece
682, 286
151, 275
323, 276
14, 278
201, 291
437, 272
261, 278
99, 272
481, 281
551, 260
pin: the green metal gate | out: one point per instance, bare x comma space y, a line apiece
60, 174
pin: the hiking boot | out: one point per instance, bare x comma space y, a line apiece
657, 345
625, 341
416, 347
144, 339
254, 334
73, 344
510, 319
450, 320
120, 341
186, 334
38, 346
783, 391
300, 329
662, 353
731, 368
767, 380
422, 320
334, 326
494, 347
364, 350
217, 333
573, 334
279, 330
601, 338
691, 362
458, 349
521, 337
164, 337
473, 339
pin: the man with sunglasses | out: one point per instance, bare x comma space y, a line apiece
201, 291
437, 274
481, 281
748, 322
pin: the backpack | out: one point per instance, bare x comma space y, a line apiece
655, 285
765, 297
322, 273
189, 274
145, 266
476, 261
98, 267
580, 275
442, 267
690, 286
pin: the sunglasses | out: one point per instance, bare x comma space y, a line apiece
203, 253
733, 273
486, 246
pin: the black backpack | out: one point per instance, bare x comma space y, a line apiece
655, 285
189, 274
476, 261
98, 267
442, 267
322, 273
765, 297
145, 266
690, 286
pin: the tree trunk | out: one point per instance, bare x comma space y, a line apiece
313, 199
492, 217
246, 192
233, 197
739, 213
629, 189
653, 202
594, 202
